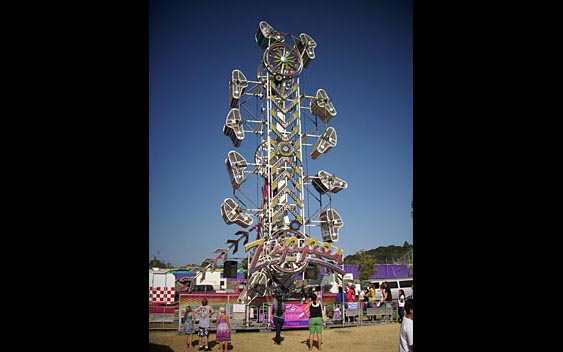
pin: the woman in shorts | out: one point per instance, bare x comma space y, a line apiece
314, 310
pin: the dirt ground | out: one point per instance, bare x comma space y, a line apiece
378, 337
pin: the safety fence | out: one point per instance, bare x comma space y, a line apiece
259, 317
360, 313
163, 317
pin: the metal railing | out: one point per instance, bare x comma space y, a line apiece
258, 317
360, 313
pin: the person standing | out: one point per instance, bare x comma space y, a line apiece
383, 291
351, 297
205, 312
279, 317
223, 334
363, 296
401, 304
351, 293
314, 310
406, 342
388, 294
371, 296
364, 300
388, 298
189, 326
340, 299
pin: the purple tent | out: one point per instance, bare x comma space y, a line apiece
390, 271
348, 268
180, 274
384, 271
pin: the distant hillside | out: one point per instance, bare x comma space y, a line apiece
382, 254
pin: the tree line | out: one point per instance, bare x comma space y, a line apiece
366, 259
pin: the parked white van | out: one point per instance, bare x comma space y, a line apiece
394, 284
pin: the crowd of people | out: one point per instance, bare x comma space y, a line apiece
223, 331
313, 310
367, 296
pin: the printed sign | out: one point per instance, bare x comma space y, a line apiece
294, 316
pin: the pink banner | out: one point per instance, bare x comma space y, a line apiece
294, 316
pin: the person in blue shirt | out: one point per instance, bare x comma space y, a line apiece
340, 296
340, 300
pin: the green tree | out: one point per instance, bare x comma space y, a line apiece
382, 254
157, 263
365, 262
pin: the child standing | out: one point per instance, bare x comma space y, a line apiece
189, 326
223, 336
205, 312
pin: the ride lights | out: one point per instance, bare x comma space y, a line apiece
295, 225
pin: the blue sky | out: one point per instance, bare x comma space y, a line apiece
363, 60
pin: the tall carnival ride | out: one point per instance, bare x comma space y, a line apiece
277, 112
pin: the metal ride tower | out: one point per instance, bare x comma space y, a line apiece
275, 110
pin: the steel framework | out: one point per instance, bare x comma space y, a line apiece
274, 109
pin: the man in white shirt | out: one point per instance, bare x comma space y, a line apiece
406, 342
